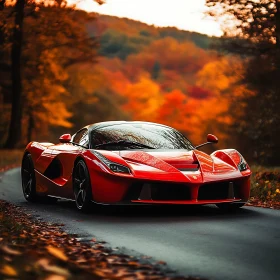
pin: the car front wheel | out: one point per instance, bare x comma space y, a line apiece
28, 178
82, 187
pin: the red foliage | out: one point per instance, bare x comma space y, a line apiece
199, 92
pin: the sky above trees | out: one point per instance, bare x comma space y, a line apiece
183, 14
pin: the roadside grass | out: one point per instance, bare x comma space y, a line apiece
265, 181
265, 186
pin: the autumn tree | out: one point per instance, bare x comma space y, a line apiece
164, 79
46, 94
17, 41
16, 114
256, 35
258, 21
190, 89
93, 98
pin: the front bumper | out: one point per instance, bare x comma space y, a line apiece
231, 191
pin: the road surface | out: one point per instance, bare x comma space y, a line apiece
199, 241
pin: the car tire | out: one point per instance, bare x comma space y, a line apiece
28, 178
82, 187
229, 206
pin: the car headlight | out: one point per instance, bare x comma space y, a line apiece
113, 166
242, 166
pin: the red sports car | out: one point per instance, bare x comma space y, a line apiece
137, 162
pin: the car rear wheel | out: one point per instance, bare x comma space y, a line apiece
82, 187
229, 206
28, 178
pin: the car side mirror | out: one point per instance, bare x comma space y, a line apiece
212, 138
65, 138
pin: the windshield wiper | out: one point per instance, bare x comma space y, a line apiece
124, 142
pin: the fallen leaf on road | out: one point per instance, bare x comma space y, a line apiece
47, 252
45, 264
8, 270
10, 251
58, 270
58, 253
55, 277
133, 263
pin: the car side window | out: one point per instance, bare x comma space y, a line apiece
81, 137
84, 140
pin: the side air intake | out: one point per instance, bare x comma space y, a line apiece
54, 170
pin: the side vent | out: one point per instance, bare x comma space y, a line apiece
145, 192
54, 170
231, 191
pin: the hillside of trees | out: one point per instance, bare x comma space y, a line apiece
121, 37
81, 68
169, 76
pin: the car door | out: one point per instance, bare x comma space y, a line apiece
66, 153
59, 172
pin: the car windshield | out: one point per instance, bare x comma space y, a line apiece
138, 136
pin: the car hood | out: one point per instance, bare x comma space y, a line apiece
174, 165
178, 160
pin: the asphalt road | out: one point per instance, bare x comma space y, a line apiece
193, 241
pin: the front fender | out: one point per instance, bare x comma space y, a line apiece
230, 156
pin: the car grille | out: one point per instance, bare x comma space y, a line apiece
218, 191
170, 192
158, 191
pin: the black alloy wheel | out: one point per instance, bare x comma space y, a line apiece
28, 178
82, 187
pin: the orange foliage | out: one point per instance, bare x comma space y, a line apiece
174, 110
199, 92
193, 115
143, 96
192, 93
127, 26
173, 82
181, 57
145, 76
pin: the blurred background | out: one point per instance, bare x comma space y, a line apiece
200, 66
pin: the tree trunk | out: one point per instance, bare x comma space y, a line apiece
16, 115
277, 25
2, 4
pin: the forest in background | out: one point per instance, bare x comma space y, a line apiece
166, 75
81, 68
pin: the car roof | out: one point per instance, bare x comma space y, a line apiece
100, 125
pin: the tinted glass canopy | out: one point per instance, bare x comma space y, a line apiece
137, 135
